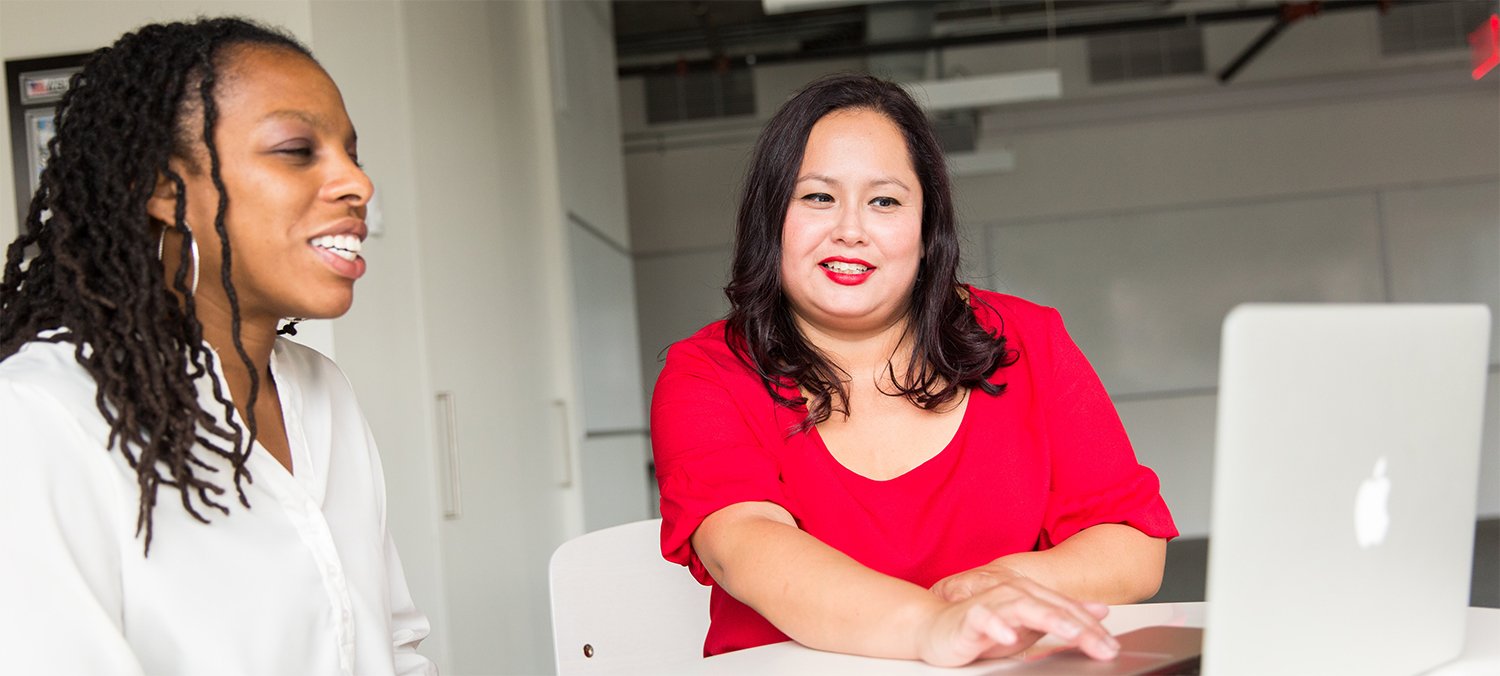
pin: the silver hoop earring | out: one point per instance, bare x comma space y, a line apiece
161, 246
193, 244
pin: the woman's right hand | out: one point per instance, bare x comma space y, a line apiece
1008, 618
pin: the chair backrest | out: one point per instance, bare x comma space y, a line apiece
617, 604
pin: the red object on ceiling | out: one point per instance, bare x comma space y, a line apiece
1484, 43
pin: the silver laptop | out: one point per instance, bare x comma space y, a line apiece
1345, 479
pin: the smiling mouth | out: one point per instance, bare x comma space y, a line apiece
346, 247
846, 268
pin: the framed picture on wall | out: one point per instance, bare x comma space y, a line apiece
34, 86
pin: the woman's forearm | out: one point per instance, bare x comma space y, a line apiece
810, 591
1108, 563
826, 600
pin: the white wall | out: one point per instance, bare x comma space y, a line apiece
588, 115
382, 340
608, 411
494, 283
1144, 211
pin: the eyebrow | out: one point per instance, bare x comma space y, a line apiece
889, 180
296, 115
303, 116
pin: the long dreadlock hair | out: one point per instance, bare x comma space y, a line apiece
84, 269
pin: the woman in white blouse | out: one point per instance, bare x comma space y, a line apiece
183, 492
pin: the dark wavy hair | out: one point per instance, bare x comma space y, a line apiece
949, 349
85, 267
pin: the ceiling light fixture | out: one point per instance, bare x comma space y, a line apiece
987, 90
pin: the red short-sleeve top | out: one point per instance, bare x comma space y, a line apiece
1027, 468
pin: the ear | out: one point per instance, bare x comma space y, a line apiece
162, 205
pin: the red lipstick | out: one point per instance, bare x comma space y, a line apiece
846, 271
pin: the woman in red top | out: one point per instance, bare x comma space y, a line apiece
867, 456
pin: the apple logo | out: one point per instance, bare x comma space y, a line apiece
1372, 518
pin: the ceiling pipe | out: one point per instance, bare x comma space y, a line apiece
711, 36
926, 44
1289, 13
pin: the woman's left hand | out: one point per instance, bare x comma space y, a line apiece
962, 585
1108, 563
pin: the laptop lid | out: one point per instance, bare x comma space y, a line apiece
1345, 479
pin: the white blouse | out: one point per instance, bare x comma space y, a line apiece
307, 581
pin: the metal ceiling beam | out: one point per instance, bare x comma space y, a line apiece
799, 26
1288, 14
926, 44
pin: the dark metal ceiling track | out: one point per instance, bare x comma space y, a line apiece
925, 44
1289, 13
781, 26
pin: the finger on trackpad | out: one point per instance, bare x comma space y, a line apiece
1150, 650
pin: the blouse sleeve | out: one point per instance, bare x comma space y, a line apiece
408, 624
707, 453
60, 594
1095, 476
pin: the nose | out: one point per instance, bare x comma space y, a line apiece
849, 230
349, 183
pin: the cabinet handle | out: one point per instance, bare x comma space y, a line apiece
453, 497
566, 480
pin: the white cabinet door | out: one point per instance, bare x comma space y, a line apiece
611, 411
613, 471
616, 480
608, 349
490, 240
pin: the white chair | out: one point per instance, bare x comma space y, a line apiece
618, 605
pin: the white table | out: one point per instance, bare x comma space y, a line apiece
1481, 653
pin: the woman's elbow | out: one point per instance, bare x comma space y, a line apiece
1145, 579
